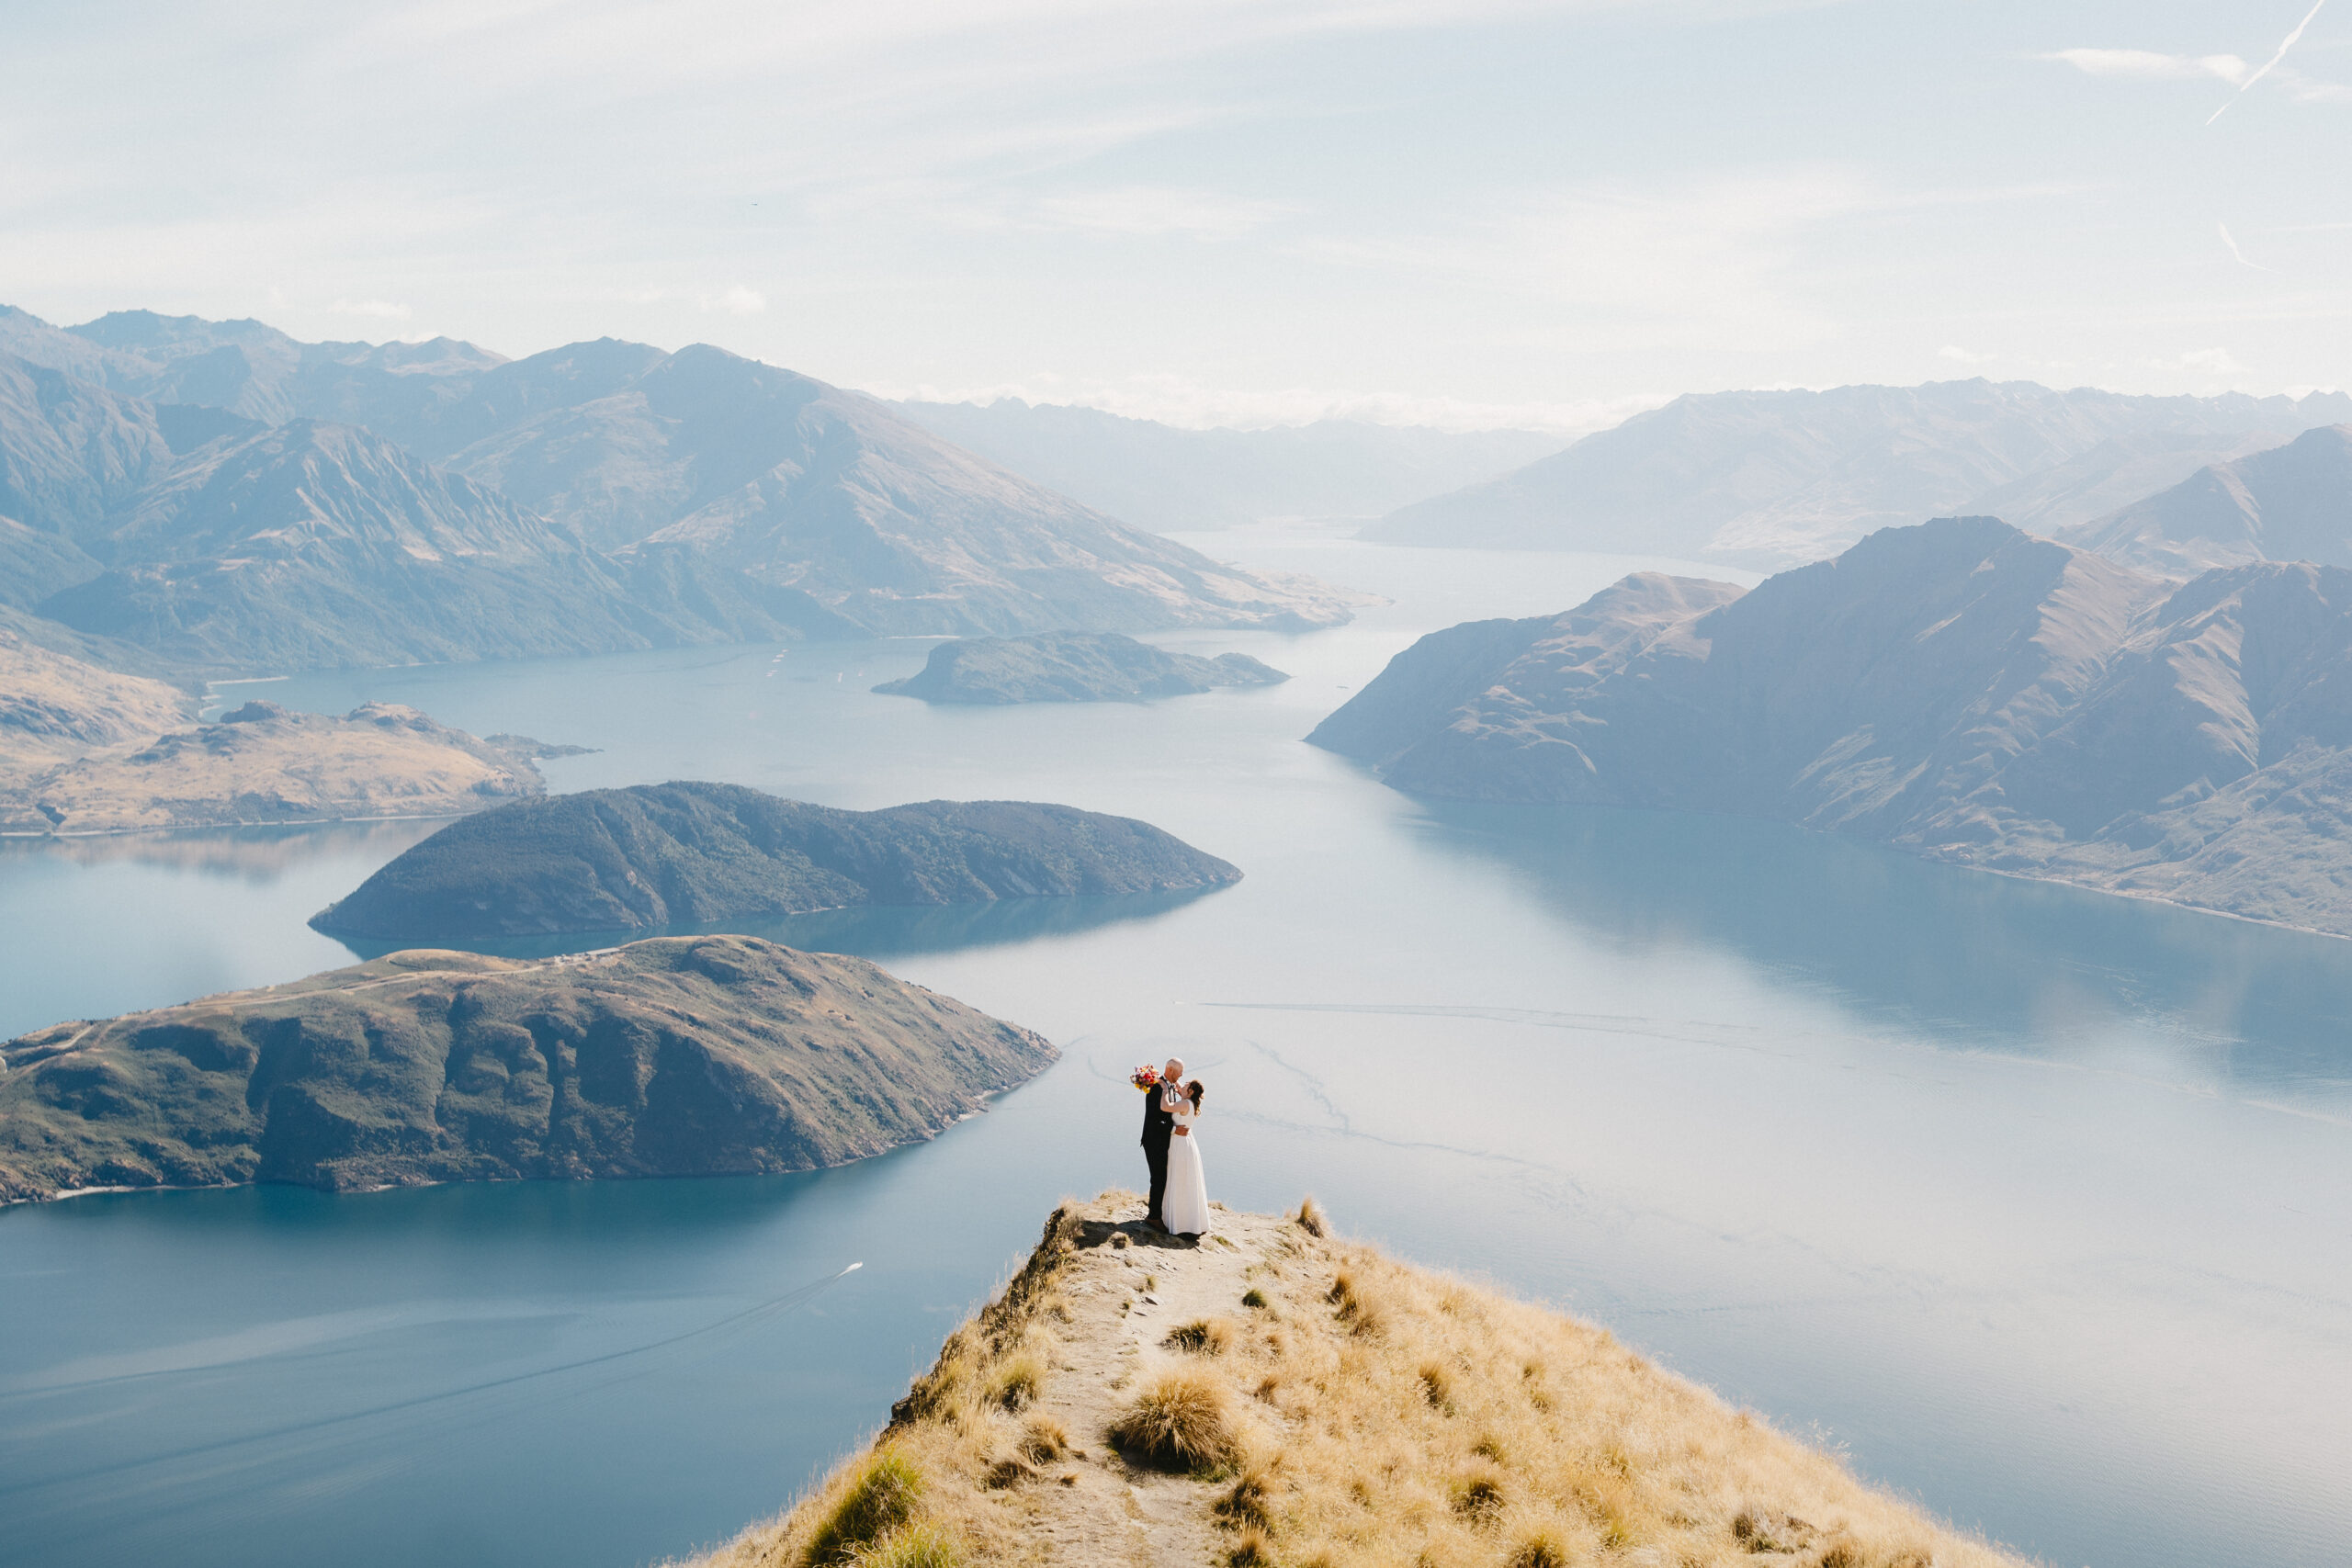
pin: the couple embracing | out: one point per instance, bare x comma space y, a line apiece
1171, 1147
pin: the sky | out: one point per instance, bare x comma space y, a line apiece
1462, 212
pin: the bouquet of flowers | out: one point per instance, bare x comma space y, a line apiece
1145, 1079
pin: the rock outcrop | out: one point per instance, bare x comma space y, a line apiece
1957, 689
687, 853
703, 1055
1071, 667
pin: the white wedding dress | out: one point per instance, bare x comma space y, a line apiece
1185, 1209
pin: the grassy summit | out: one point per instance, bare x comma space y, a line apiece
689, 1055
1279, 1396
683, 853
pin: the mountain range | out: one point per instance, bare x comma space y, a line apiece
2291, 502
1957, 689
1768, 478
230, 498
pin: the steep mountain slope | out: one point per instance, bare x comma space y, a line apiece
800, 486
311, 544
1959, 689
683, 853
71, 452
1770, 478
699, 1056
2292, 503
1162, 476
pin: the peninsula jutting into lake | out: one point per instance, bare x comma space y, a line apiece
1959, 689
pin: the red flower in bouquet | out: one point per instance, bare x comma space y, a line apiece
1145, 1079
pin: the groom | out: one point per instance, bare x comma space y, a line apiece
1159, 1126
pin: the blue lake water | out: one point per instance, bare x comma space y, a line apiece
2037, 1203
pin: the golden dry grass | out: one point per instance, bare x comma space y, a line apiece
1368, 1415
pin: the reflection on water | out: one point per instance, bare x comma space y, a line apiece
251, 854
1965, 957
878, 932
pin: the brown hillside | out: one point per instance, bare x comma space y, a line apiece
1275, 1396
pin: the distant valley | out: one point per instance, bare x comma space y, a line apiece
1173, 480
1957, 689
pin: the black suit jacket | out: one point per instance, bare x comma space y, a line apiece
1159, 1126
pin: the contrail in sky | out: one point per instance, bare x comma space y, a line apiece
2293, 39
2233, 247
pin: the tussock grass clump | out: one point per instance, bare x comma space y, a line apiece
1180, 1420
1042, 1440
1202, 1336
1310, 1218
881, 1495
1543, 1549
915, 1546
1015, 1382
1254, 1299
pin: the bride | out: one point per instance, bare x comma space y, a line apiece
1186, 1207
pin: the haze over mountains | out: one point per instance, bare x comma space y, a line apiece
1770, 478
1160, 476
1957, 689
229, 497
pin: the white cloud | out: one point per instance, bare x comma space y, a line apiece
1954, 351
2207, 361
382, 309
736, 301
2145, 65
1717, 262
